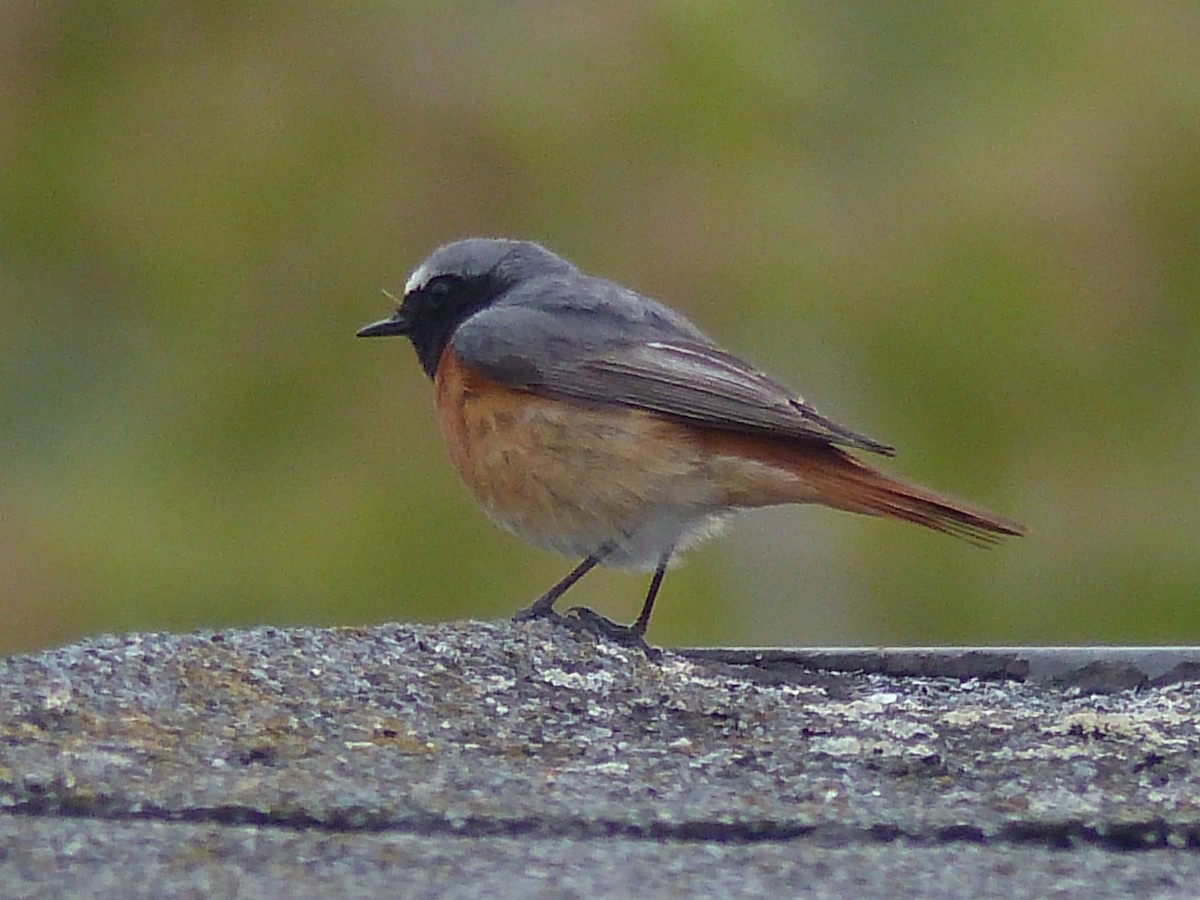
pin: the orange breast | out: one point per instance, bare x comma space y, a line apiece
572, 477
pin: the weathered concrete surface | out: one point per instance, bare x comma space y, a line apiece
491, 759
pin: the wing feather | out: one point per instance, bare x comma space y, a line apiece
698, 383
639, 355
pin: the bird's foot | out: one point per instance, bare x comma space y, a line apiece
583, 619
529, 613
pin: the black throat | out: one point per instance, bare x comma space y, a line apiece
438, 308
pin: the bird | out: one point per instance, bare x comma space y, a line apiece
600, 423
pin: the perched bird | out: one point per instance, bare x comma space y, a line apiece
599, 423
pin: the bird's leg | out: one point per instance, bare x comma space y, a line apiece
643, 620
543, 606
631, 635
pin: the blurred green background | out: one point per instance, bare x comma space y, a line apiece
971, 230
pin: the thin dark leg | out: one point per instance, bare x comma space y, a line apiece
638, 628
544, 605
630, 635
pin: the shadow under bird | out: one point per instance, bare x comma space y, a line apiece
597, 422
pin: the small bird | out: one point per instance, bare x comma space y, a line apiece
599, 423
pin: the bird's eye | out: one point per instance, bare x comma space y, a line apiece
439, 290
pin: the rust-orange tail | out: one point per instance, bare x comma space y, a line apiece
788, 471
842, 481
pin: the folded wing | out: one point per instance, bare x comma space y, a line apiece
593, 358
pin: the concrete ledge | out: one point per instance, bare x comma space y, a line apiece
493, 759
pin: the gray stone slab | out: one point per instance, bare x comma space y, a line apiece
498, 759
1098, 669
89, 858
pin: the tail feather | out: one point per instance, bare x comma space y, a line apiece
790, 471
846, 483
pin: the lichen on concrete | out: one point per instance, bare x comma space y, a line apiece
497, 730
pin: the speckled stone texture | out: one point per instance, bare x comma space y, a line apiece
494, 759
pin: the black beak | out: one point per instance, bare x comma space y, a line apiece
397, 324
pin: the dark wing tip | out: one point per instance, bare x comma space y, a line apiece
877, 446
840, 434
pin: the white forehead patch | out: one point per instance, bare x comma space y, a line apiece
417, 279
